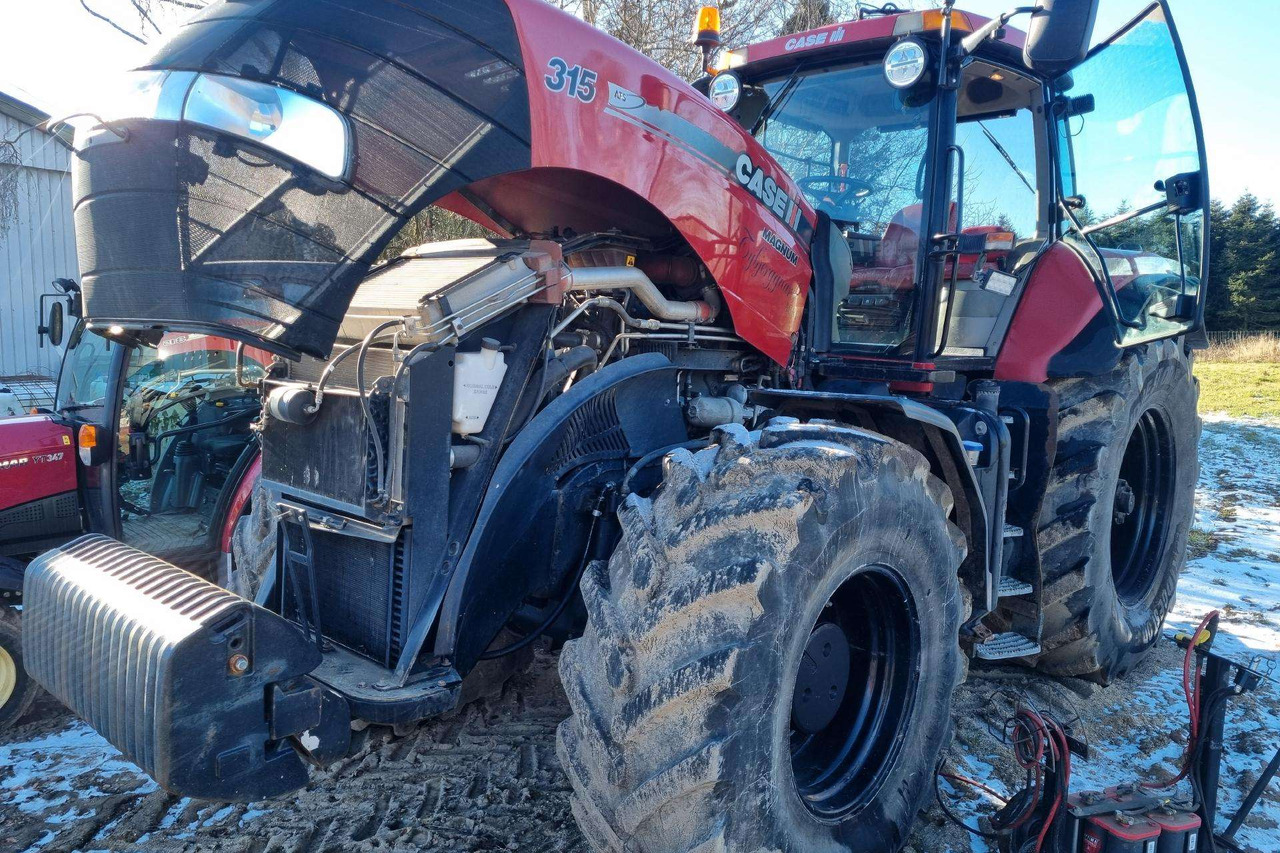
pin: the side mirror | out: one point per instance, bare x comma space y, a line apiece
52, 328
1058, 35
1182, 193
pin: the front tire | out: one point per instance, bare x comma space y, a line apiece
17, 689
695, 725
1118, 511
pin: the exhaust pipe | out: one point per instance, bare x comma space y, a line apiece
592, 279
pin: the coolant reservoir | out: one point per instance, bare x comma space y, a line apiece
476, 378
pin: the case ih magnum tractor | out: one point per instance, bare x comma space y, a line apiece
165, 461
778, 398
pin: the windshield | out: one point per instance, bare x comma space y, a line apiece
856, 147
197, 362
85, 371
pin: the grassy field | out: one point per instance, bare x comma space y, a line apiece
1241, 377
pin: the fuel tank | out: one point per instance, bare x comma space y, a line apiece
272, 149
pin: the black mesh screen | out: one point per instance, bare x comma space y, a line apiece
354, 585
187, 227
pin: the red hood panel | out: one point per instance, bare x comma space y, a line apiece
37, 459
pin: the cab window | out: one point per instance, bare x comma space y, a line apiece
856, 148
995, 127
86, 371
1126, 132
999, 134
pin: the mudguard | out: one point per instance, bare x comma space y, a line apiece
539, 121
613, 416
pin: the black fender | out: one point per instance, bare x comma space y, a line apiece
535, 504
935, 434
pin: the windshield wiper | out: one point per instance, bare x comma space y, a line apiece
1005, 154
777, 103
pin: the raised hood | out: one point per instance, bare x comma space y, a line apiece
189, 227
286, 141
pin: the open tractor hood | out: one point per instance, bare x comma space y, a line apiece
270, 151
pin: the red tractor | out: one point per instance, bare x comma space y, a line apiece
777, 398
148, 444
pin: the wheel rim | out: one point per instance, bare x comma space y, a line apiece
8, 676
847, 730
1140, 515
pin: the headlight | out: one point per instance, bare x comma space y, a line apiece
281, 119
905, 63
725, 90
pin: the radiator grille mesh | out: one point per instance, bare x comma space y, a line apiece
356, 584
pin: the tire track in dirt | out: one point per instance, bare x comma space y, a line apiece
484, 778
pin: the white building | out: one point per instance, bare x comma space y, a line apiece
39, 245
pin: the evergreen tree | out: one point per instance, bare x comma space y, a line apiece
1219, 313
1250, 258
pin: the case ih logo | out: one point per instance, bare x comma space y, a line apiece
815, 39
767, 190
5, 464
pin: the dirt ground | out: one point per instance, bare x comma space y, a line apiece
486, 777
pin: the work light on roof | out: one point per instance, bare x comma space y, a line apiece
905, 63
725, 90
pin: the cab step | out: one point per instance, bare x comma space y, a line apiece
1013, 531
1012, 586
1006, 646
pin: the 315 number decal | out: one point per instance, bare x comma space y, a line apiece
574, 80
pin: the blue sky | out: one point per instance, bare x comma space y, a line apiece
1230, 48
52, 53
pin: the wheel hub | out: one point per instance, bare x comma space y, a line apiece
854, 691
1125, 501
822, 679
1140, 513
8, 676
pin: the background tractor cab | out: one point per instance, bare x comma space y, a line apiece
961, 170
149, 442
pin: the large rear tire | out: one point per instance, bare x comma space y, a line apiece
1117, 511
771, 652
17, 689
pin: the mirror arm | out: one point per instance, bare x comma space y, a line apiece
1123, 217
974, 40
1106, 287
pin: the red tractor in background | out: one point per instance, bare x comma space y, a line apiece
147, 444
777, 398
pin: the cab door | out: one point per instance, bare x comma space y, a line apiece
1133, 179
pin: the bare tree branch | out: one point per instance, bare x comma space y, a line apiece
10, 160
145, 15
117, 27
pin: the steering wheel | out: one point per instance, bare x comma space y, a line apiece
841, 195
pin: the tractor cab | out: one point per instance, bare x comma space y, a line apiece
163, 435
149, 437
947, 155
